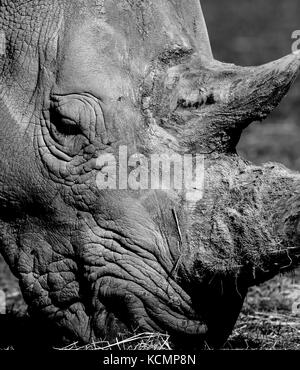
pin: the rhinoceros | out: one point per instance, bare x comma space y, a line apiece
81, 79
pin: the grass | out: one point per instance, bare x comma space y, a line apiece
270, 319
139, 342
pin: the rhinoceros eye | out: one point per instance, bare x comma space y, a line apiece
63, 124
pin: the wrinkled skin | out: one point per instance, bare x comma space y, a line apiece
78, 80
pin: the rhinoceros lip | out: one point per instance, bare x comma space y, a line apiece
176, 327
173, 316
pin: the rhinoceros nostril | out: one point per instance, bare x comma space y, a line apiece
210, 99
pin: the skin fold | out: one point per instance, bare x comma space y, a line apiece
80, 79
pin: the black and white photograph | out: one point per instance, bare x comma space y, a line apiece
149, 179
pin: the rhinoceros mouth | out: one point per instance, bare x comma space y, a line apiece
138, 293
139, 312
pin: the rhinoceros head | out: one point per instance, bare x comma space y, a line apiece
89, 91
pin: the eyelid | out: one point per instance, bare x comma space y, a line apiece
68, 120
64, 112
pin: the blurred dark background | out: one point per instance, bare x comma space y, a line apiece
253, 32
